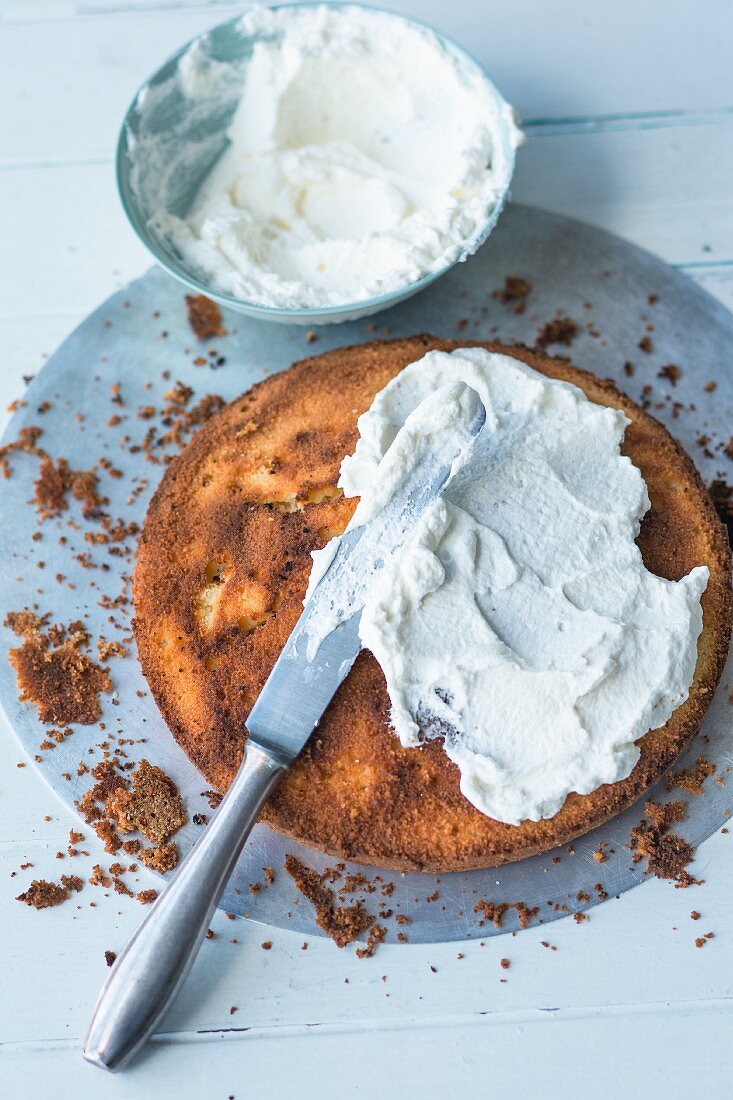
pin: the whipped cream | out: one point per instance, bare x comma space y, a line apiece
518, 621
363, 154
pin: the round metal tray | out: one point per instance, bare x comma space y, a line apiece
141, 332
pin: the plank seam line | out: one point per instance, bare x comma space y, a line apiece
374, 1025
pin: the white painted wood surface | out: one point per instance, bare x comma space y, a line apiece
629, 115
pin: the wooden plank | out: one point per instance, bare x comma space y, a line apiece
667, 189
69, 80
71, 252
672, 1053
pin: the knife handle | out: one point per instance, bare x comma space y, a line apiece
151, 969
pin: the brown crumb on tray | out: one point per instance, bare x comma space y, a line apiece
504, 964
57, 482
106, 649
153, 806
515, 292
671, 372
645, 345
54, 671
26, 443
343, 923
376, 935
702, 940
691, 779
164, 857
667, 854
494, 911
105, 830
560, 330
147, 897
109, 957
204, 317
664, 815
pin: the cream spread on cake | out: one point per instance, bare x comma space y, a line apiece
518, 622
363, 154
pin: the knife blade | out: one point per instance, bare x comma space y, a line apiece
303, 682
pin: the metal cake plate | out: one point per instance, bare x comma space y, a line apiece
141, 333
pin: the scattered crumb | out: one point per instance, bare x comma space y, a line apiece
515, 291
376, 935
494, 912
666, 853
153, 806
204, 317
54, 671
691, 779
44, 895
671, 372
342, 923
560, 330
162, 858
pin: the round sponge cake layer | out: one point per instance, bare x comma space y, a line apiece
223, 567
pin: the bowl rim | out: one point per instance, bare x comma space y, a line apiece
345, 309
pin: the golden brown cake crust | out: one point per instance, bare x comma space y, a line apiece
222, 569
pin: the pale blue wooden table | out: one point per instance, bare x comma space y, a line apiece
628, 108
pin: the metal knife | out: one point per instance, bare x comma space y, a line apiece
150, 971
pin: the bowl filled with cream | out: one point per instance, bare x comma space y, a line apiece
315, 163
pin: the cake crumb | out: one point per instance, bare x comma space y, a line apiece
495, 911
667, 854
671, 372
560, 330
42, 894
204, 317
691, 779
515, 292
54, 672
164, 857
342, 923
153, 806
